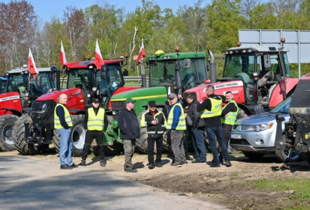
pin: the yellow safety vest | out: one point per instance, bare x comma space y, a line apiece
216, 105
57, 124
95, 122
181, 124
231, 117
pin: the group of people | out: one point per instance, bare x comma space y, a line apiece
208, 116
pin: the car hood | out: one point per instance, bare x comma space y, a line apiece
265, 117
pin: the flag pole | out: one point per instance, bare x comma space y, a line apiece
143, 76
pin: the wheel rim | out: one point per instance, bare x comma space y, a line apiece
291, 154
7, 134
78, 136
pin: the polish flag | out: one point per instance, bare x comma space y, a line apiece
141, 54
98, 58
63, 59
32, 65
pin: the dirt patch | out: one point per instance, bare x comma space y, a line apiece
231, 187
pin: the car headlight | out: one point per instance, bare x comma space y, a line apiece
260, 127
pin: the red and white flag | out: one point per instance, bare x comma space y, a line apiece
32, 65
98, 58
141, 54
63, 59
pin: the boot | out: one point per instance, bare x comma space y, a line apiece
188, 157
102, 163
83, 163
228, 164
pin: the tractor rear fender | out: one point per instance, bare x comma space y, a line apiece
11, 111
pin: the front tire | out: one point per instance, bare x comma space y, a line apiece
287, 155
7, 123
19, 136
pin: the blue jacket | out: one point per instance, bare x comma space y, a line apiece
176, 116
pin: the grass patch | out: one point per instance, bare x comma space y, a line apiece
300, 187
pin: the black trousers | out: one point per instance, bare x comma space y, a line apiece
226, 133
90, 136
151, 140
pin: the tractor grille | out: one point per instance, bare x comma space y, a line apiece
118, 105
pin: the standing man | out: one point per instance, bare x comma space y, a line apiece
196, 125
63, 124
129, 127
95, 124
155, 123
176, 126
211, 112
229, 117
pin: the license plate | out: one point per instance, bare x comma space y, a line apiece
235, 136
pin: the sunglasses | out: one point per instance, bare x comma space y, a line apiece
170, 99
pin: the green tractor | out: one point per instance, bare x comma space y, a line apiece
168, 73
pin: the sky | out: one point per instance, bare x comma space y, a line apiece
46, 9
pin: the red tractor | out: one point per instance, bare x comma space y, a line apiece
258, 77
84, 81
18, 94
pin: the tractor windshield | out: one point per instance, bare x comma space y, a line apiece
37, 91
113, 81
192, 72
17, 83
81, 78
239, 63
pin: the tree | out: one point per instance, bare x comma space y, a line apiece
17, 25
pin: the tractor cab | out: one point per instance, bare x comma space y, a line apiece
95, 82
260, 69
163, 70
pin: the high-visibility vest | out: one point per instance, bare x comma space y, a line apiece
95, 122
181, 124
57, 124
230, 117
156, 129
216, 108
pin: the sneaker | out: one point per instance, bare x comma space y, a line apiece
177, 164
188, 157
151, 166
74, 166
65, 166
184, 162
228, 164
130, 170
158, 164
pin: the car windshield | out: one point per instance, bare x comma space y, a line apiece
283, 107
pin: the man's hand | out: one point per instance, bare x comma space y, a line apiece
154, 122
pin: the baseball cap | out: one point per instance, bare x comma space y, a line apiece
95, 100
152, 104
128, 100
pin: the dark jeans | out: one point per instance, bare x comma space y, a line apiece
129, 149
177, 146
159, 144
90, 136
218, 132
226, 133
199, 144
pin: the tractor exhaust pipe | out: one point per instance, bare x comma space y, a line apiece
212, 67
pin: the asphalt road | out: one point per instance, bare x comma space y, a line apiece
27, 184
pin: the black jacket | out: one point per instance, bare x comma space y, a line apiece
128, 124
195, 115
157, 130
206, 104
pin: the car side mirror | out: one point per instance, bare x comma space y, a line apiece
267, 61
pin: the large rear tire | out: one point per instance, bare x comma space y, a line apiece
7, 123
19, 136
286, 154
78, 134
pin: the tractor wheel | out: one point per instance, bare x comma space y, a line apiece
287, 155
253, 155
19, 136
7, 123
78, 134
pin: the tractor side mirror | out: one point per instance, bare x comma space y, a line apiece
208, 65
38, 80
104, 72
187, 63
267, 61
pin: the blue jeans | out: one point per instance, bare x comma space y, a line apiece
199, 144
218, 132
65, 151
